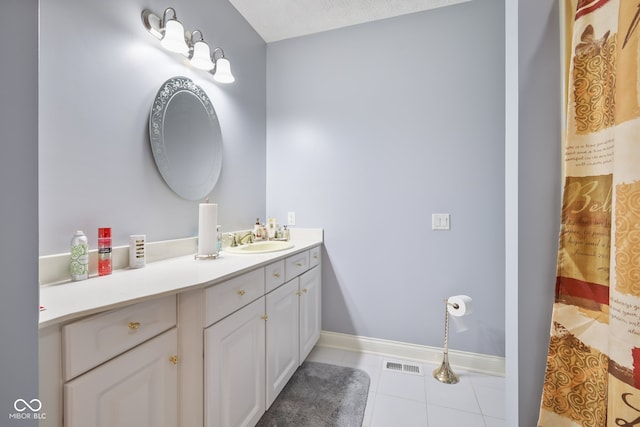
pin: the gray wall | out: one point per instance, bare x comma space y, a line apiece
539, 185
19, 207
533, 182
373, 128
99, 73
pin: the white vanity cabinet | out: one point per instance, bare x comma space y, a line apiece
283, 357
310, 310
252, 346
120, 367
234, 351
234, 368
180, 343
138, 388
293, 321
315, 256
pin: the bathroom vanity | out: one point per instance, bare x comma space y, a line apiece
181, 342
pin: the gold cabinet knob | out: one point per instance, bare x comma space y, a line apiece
298, 293
304, 290
276, 275
174, 359
134, 325
299, 264
241, 292
265, 317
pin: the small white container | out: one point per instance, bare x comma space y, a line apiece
137, 250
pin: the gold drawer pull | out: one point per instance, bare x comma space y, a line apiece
134, 325
174, 360
315, 256
241, 292
299, 264
276, 275
265, 317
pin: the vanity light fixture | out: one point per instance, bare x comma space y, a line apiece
201, 54
174, 38
222, 70
173, 33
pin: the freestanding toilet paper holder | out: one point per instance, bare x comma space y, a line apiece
444, 373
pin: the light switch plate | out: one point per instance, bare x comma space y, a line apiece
291, 218
440, 221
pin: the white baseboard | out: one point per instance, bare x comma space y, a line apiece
493, 365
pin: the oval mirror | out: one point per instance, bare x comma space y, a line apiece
186, 140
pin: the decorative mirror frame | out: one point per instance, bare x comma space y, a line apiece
168, 90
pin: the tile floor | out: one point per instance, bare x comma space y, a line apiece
402, 399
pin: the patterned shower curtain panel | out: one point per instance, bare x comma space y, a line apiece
593, 365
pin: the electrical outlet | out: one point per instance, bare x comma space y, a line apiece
440, 222
291, 218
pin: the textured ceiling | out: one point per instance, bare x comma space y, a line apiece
282, 19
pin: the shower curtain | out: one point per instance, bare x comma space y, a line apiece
593, 365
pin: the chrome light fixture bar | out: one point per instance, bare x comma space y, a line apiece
174, 38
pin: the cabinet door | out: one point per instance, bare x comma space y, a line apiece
282, 337
137, 388
310, 310
234, 368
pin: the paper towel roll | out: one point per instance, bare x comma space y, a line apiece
207, 229
459, 305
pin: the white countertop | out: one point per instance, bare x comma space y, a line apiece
70, 300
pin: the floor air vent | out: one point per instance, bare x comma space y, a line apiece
407, 368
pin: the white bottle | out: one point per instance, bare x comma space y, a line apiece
79, 266
257, 229
271, 228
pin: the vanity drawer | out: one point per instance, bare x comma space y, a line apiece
314, 256
295, 265
96, 339
227, 297
274, 275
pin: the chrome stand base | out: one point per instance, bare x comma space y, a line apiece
444, 374
206, 256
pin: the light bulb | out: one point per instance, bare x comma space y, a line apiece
201, 57
222, 73
173, 39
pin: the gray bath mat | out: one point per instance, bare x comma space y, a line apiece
320, 395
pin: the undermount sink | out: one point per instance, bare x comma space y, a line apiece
260, 247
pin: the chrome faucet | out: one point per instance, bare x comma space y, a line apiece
244, 238
228, 240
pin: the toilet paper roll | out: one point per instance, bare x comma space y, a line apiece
459, 305
208, 229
